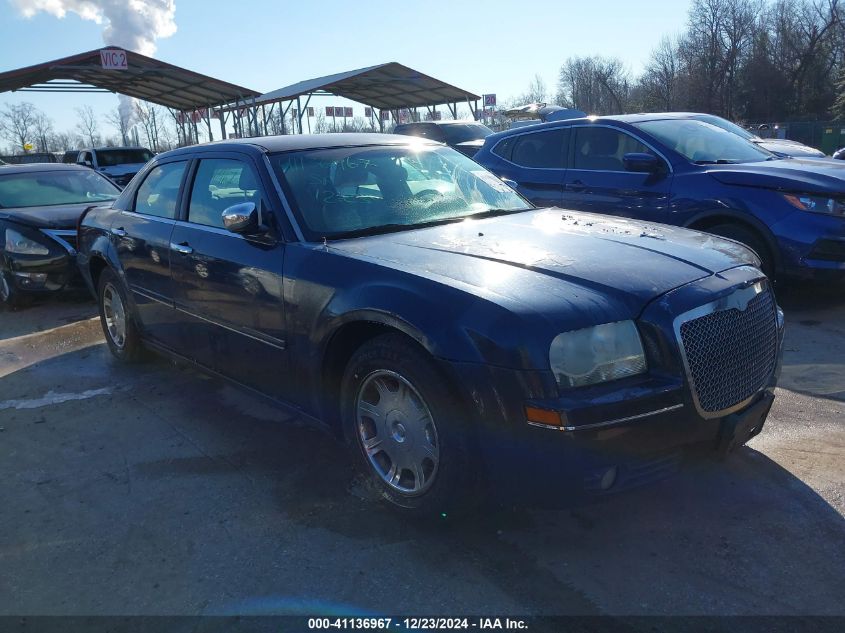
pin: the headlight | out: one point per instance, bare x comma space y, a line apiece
17, 243
816, 204
597, 354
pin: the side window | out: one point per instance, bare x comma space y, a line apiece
158, 195
545, 149
83, 156
504, 148
602, 148
431, 131
219, 184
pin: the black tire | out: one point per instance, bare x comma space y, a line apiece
752, 240
128, 347
10, 297
453, 482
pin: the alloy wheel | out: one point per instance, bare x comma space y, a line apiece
397, 432
115, 315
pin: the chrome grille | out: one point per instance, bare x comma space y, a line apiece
731, 353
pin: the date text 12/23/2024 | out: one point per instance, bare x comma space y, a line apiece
418, 624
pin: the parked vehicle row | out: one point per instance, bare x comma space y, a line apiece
465, 136
681, 169
453, 333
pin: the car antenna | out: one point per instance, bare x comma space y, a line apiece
325, 242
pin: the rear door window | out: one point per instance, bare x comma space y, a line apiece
158, 195
546, 149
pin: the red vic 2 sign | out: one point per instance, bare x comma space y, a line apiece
114, 59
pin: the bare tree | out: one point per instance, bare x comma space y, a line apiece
43, 130
88, 125
597, 85
660, 80
838, 109
151, 118
62, 141
537, 92
121, 120
17, 123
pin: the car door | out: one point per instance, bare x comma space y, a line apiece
141, 236
229, 286
598, 181
536, 162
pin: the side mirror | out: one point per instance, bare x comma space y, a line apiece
641, 162
242, 218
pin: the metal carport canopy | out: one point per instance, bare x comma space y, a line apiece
387, 86
144, 78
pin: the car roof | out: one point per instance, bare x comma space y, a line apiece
38, 167
457, 122
292, 142
105, 149
629, 119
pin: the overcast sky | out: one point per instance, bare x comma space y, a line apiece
482, 45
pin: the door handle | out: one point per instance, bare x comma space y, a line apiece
575, 186
183, 248
119, 232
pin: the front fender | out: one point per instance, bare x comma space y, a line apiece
727, 216
325, 291
95, 244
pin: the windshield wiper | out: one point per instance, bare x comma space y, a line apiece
720, 161
489, 213
387, 228
396, 227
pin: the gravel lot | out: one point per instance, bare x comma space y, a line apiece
155, 490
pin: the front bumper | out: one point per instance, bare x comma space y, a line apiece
614, 436
45, 273
812, 246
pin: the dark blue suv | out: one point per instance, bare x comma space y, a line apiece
678, 170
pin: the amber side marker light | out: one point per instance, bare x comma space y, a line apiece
544, 417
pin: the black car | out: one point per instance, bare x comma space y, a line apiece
465, 136
39, 208
396, 292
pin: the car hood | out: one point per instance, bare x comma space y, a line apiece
792, 148
52, 217
787, 174
579, 258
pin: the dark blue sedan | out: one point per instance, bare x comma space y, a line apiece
679, 170
393, 290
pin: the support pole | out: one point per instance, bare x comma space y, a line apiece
299, 113
208, 122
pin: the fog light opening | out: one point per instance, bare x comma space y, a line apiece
608, 478
38, 277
